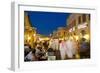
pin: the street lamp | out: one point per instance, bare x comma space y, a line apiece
86, 36
76, 37
29, 37
34, 35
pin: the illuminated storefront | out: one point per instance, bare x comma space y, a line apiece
79, 26
60, 34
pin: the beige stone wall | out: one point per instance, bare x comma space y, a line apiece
29, 32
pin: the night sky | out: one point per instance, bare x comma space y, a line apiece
47, 22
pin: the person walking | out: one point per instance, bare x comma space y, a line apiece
70, 51
84, 49
62, 49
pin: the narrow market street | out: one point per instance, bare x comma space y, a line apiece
56, 42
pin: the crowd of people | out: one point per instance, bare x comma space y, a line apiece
55, 49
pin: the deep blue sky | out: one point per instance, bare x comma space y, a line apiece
47, 22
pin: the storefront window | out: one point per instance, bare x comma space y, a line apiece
89, 16
79, 19
84, 17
